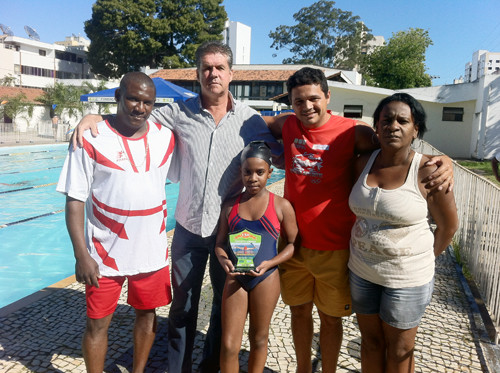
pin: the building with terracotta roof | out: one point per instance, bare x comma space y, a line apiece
24, 120
31, 93
256, 85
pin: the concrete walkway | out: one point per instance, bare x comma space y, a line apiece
45, 335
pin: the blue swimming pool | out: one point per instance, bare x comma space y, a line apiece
35, 249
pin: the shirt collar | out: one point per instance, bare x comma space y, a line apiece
234, 103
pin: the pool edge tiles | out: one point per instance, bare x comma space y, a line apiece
40, 294
29, 299
276, 187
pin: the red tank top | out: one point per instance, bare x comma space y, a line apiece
318, 180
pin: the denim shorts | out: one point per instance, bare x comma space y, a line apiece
401, 308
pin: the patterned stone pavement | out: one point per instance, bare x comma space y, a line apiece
45, 335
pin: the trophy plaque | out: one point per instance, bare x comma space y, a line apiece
244, 245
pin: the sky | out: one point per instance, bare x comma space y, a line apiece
457, 28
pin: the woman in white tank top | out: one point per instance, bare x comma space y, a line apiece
392, 244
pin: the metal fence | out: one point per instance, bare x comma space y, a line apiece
42, 132
478, 235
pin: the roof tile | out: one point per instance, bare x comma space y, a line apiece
31, 93
238, 75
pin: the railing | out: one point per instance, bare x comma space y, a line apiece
40, 133
478, 235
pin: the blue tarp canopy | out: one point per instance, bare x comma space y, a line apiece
165, 92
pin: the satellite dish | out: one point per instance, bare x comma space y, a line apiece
6, 30
32, 33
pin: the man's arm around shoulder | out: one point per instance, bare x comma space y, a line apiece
366, 140
276, 123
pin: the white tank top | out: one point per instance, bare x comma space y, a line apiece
392, 243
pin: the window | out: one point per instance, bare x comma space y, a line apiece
240, 90
36, 71
265, 90
41, 52
353, 111
66, 56
453, 114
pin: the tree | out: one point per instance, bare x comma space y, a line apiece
323, 35
13, 106
128, 34
102, 108
66, 97
401, 62
8, 81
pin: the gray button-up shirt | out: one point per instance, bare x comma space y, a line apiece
207, 158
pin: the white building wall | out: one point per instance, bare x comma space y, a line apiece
343, 94
467, 72
492, 63
377, 41
475, 65
6, 62
476, 136
17, 52
455, 138
239, 38
452, 138
489, 112
438, 131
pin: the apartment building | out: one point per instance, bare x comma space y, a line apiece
239, 38
483, 63
35, 64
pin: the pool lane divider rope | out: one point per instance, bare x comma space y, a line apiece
28, 152
32, 218
23, 172
27, 188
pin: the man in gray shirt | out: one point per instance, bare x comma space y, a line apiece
210, 131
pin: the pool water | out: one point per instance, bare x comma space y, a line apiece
35, 249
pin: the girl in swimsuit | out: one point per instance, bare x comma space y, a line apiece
252, 222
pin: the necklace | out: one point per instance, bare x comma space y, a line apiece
124, 145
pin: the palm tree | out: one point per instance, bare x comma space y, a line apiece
66, 97
12, 106
102, 108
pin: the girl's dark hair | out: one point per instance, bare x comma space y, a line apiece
417, 111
